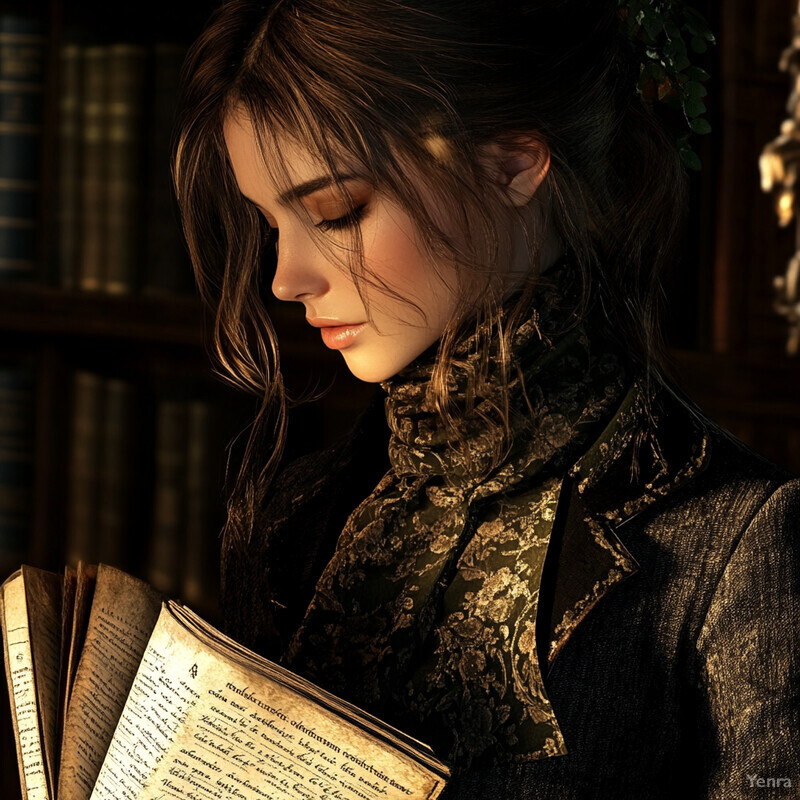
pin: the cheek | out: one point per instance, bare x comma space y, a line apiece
395, 256
392, 254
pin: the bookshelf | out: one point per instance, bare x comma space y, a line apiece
135, 335
47, 311
114, 431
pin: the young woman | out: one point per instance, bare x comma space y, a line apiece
542, 560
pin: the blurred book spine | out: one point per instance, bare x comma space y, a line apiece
124, 132
69, 161
109, 448
183, 548
22, 80
119, 230
85, 458
117, 473
93, 164
101, 469
166, 544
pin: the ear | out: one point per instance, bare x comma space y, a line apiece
519, 167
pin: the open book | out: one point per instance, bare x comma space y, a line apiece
118, 695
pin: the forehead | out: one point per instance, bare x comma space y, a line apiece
275, 168
257, 163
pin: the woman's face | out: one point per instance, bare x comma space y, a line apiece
396, 332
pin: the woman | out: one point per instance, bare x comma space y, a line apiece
548, 565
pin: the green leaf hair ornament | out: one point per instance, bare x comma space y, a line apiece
665, 33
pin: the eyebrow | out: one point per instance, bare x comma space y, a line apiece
309, 187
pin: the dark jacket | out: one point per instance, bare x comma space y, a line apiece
670, 628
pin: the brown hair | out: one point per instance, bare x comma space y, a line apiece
421, 85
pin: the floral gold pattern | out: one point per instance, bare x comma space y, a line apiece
430, 598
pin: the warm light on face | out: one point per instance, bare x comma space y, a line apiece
377, 345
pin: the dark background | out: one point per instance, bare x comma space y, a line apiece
727, 343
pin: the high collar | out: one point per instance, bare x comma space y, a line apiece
436, 543
537, 408
655, 443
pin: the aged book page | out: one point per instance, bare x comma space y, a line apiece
123, 614
67, 616
85, 579
7, 663
19, 668
43, 602
202, 724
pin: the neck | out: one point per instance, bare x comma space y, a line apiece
496, 398
550, 252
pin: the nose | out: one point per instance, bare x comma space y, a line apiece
298, 277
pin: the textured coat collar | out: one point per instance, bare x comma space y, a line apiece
641, 456
585, 558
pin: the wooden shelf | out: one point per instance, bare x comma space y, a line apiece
47, 312
50, 311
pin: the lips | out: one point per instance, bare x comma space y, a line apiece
335, 335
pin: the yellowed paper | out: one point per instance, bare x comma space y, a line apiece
85, 579
67, 617
122, 618
7, 664
43, 602
198, 725
20, 668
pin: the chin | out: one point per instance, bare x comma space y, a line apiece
377, 359
378, 367
372, 373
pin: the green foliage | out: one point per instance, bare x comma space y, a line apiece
666, 32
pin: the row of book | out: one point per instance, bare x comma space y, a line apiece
142, 477
118, 228
114, 221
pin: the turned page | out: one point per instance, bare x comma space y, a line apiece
67, 616
201, 724
85, 579
22, 690
123, 614
43, 592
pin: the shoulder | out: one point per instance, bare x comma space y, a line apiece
734, 488
666, 454
749, 510
745, 512
682, 499
730, 528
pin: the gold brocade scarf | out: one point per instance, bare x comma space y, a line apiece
425, 614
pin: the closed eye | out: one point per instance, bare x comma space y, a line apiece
349, 220
352, 218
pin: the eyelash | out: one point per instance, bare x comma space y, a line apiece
350, 219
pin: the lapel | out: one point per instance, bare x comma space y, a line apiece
640, 457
